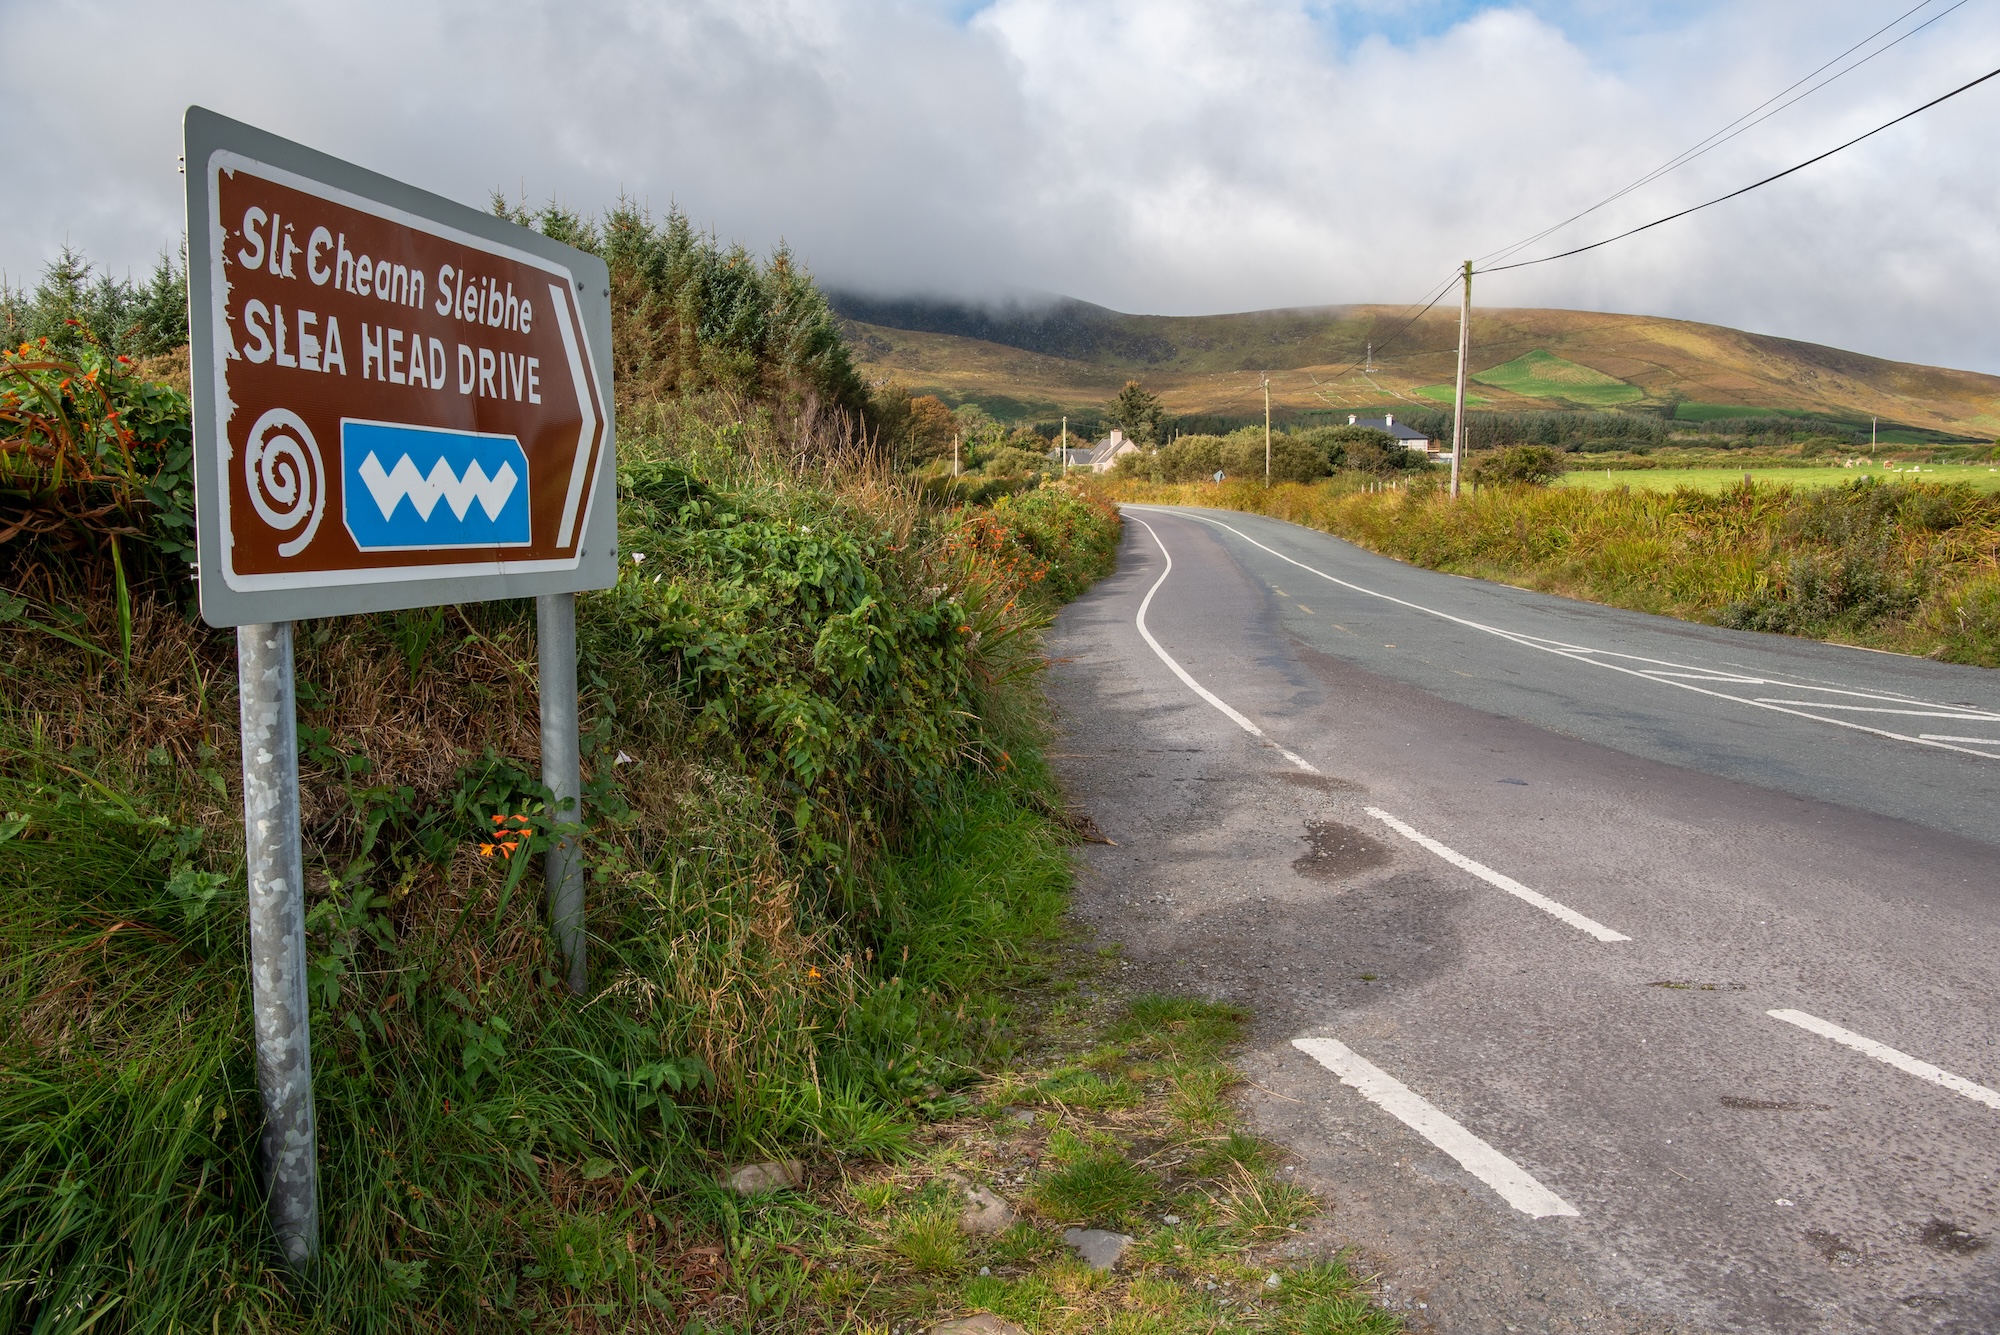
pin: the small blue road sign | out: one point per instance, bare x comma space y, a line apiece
412, 488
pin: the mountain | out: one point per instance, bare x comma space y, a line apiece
1025, 360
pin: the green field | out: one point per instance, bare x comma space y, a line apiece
1985, 477
1543, 375
1448, 394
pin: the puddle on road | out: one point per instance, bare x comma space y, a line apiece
1951, 1238
1325, 783
1771, 1105
1835, 1248
1335, 850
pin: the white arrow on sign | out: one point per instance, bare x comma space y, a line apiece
579, 470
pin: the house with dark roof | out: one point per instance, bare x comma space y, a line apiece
1100, 457
1405, 436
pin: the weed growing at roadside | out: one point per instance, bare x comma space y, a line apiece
1210, 1212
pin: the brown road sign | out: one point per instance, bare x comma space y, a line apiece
400, 401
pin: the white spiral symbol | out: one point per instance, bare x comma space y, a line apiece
283, 466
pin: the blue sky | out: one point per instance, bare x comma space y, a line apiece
1176, 156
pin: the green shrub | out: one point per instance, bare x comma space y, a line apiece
1520, 465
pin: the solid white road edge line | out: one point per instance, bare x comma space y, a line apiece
1581, 654
1183, 673
1882, 1052
1496, 1170
1500, 880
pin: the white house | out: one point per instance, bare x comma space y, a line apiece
1387, 424
1100, 457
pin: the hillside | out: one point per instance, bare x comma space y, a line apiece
1023, 361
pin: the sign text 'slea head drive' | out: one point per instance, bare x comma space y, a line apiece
399, 401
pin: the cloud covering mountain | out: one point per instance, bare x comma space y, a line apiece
1150, 155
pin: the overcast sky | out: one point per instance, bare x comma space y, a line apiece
1151, 155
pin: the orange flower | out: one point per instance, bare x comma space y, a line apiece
508, 835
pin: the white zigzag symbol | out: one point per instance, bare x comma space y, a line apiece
443, 484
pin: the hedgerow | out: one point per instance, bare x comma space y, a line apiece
819, 839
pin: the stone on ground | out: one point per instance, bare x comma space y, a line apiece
985, 1213
1100, 1248
985, 1323
757, 1178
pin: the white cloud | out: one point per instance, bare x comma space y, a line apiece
1163, 155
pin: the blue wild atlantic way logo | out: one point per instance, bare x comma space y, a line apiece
408, 488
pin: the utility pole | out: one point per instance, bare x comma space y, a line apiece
1458, 400
1872, 423
1370, 366
1267, 430
954, 454
1065, 446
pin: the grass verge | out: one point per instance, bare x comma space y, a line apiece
1112, 1117
821, 847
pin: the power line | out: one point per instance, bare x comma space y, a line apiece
1404, 327
1777, 176
1715, 140
1738, 126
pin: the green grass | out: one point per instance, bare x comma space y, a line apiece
1098, 1188
1448, 394
1981, 477
1543, 375
514, 1186
1208, 1215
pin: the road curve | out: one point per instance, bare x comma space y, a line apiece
1610, 972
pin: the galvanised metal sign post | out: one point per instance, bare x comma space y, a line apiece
398, 402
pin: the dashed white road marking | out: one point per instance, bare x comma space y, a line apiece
1187, 678
1666, 673
1882, 1052
1513, 1183
1500, 880
1457, 859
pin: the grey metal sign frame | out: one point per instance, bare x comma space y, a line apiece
209, 135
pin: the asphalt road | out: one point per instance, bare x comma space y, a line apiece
1515, 885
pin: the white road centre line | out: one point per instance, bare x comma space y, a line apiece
1940, 737
1500, 880
1187, 678
1596, 657
1882, 1052
1513, 1182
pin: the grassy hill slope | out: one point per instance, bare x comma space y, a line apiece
1070, 356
